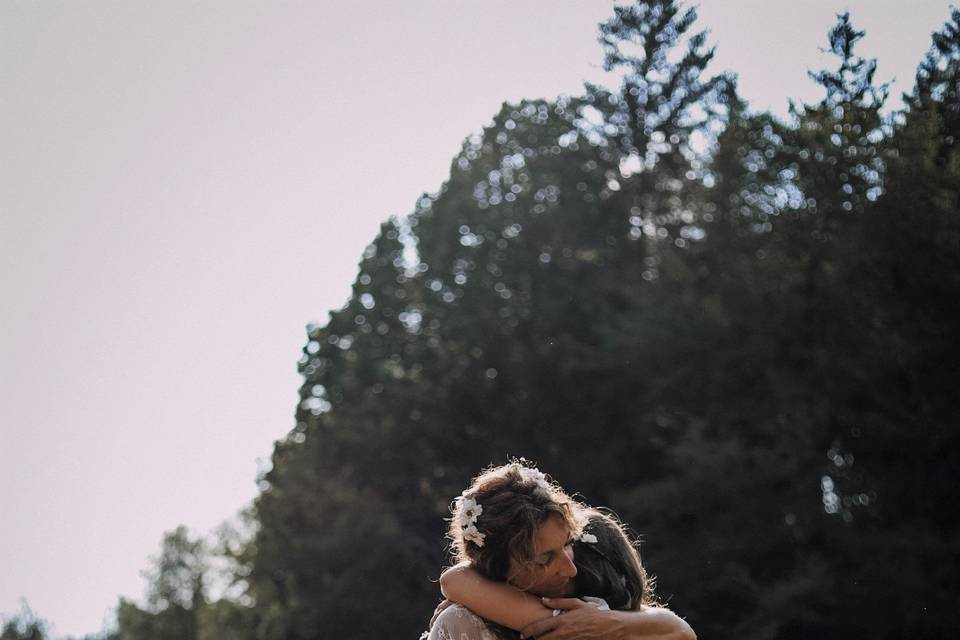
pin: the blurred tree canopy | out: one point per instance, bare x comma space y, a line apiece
737, 332
23, 625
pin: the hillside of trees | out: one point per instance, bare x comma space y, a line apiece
738, 332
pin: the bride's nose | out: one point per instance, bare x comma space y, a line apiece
567, 568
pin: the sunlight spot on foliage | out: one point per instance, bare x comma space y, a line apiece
471, 240
512, 231
411, 320
831, 502
692, 232
316, 406
630, 165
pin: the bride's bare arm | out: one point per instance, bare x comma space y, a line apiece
495, 601
521, 611
580, 620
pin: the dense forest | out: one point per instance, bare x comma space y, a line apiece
738, 332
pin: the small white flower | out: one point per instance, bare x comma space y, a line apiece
588, 538
469, 511
472, 534
532, 473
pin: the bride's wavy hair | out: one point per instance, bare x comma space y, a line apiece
610, 568
515, 499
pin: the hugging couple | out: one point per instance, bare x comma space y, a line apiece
533, 560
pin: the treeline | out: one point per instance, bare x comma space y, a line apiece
739, 333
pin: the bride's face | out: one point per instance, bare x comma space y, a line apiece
551, 571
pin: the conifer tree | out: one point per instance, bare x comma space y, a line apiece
24, 625
175, 594
771, 336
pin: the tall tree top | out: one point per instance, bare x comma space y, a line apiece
852, 82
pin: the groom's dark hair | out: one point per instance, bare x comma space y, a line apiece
608, 564
515, 499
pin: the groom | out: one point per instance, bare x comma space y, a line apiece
513, 525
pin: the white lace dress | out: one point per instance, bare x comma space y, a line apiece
456, 622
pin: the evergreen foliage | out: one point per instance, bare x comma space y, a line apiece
24, 625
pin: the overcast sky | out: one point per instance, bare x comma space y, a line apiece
184, 185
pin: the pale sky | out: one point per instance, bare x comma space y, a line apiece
185, 185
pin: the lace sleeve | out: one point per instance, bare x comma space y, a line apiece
456, 622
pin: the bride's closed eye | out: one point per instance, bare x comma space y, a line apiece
546, 562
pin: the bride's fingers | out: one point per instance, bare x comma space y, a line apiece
564, 603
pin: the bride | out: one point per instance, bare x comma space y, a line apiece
533, 560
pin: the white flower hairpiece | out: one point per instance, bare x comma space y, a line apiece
472, 534
536, 475
469, 510
588, 538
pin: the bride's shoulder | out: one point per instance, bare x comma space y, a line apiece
456, 622
459, 613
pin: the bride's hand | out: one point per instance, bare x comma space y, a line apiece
583, 621
579, 620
